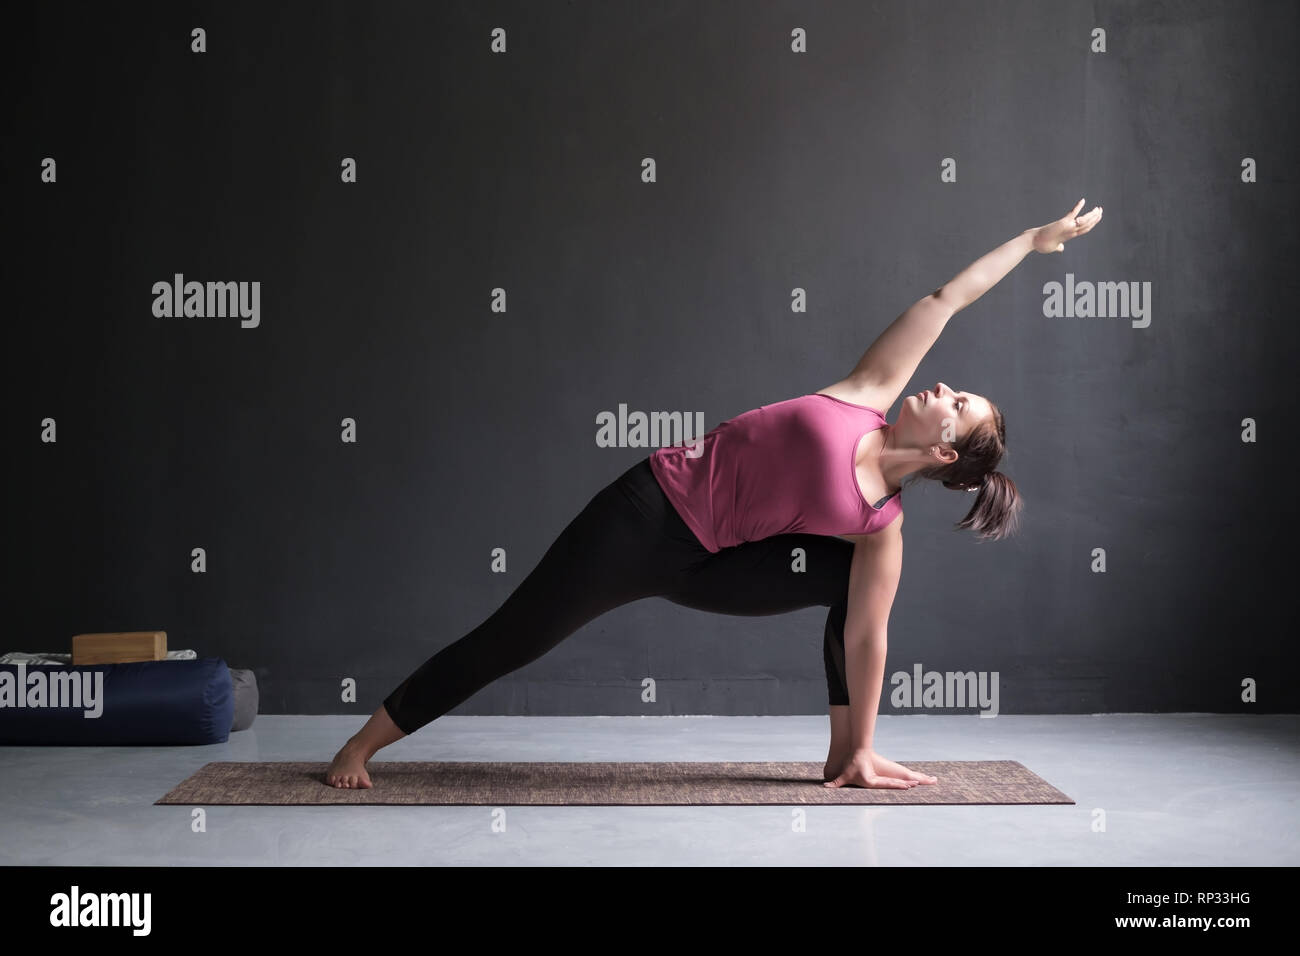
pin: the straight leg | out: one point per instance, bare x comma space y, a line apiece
614, 552
606, 557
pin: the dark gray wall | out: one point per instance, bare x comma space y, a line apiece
476, 430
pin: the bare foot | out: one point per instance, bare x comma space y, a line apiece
348, 771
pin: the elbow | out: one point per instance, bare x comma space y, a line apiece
870, 637
948, 299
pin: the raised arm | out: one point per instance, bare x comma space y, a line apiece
889, 364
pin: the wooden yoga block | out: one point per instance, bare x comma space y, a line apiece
119, 648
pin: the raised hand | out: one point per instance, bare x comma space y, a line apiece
1053, 236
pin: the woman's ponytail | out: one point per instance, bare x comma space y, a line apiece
996, 512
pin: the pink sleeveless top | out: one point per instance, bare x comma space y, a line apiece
782, 468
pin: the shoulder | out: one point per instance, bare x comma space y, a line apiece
875, 397
878, 560
891, 533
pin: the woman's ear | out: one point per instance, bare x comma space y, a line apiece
945, 455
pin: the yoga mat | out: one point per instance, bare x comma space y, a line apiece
399, 783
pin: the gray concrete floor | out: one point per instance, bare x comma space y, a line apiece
1183, 789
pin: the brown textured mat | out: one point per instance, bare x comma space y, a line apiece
603, 784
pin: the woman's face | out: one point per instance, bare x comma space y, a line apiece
940, 414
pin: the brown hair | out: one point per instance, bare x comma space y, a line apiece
996, 512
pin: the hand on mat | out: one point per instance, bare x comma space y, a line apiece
868, 769
1053, 236
887, 768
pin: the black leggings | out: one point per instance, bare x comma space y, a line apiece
629, 543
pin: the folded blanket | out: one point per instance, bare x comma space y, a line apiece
22, 657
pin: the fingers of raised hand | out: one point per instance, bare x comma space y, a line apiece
1084, 223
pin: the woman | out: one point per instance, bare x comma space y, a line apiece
790, 505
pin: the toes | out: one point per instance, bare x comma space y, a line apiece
349, 781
